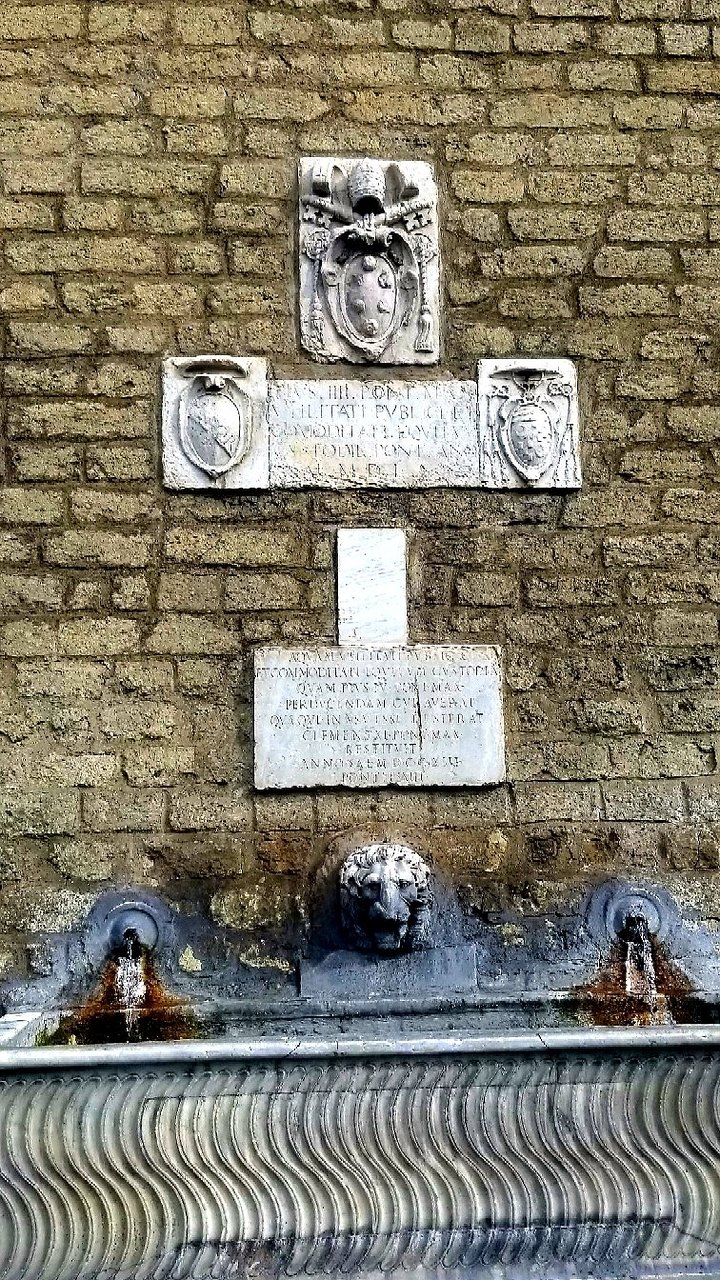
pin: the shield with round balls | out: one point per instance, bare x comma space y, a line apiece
368, 297
371, 287
530, 429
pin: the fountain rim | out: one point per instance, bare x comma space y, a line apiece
199, 1053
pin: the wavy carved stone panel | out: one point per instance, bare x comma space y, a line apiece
603, 1164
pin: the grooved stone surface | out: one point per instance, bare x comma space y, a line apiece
603, 1164
372, 717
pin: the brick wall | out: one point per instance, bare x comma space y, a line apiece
147, 206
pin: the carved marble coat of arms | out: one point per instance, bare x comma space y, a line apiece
369, 265
214, 434
529, 424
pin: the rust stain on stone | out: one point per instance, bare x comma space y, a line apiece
606, 1002
103, 1019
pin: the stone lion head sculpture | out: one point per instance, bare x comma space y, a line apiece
386, 898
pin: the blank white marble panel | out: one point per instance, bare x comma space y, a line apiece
372, 586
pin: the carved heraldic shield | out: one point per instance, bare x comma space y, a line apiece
369, 265
215, 422
529, 423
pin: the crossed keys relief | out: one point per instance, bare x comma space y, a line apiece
368, 261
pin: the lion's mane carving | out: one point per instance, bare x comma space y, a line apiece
386, 898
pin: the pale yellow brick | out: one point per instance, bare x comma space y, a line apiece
255, 178
42, 338
488, 186
418, 34
26, 215
281, 28
98, 637
101, 547
27, 295
233, 546
125, 254
84, 419
28, 22
52, 174
262, 591
207, 24
549, 111
482, 35
189, 100
31, 505
137, 22
92, 215
35, 137
293, 105
138, 177
93, 100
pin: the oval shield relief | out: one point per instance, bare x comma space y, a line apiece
530, 438
214, 424
369, 297
371, 283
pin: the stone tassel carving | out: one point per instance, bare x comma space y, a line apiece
313, 332
424, 252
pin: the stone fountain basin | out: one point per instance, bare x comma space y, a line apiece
578, 1151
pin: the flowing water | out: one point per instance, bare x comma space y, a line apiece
640, 975
130, 985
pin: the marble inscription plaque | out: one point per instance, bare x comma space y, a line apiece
225, 426
364, 716
390, 434
369, 260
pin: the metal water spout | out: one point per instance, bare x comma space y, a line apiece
640, 975
133, 936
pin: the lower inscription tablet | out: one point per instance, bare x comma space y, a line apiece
363, 716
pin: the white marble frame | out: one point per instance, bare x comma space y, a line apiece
246, 381
528, 421
385, 433
331, 190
